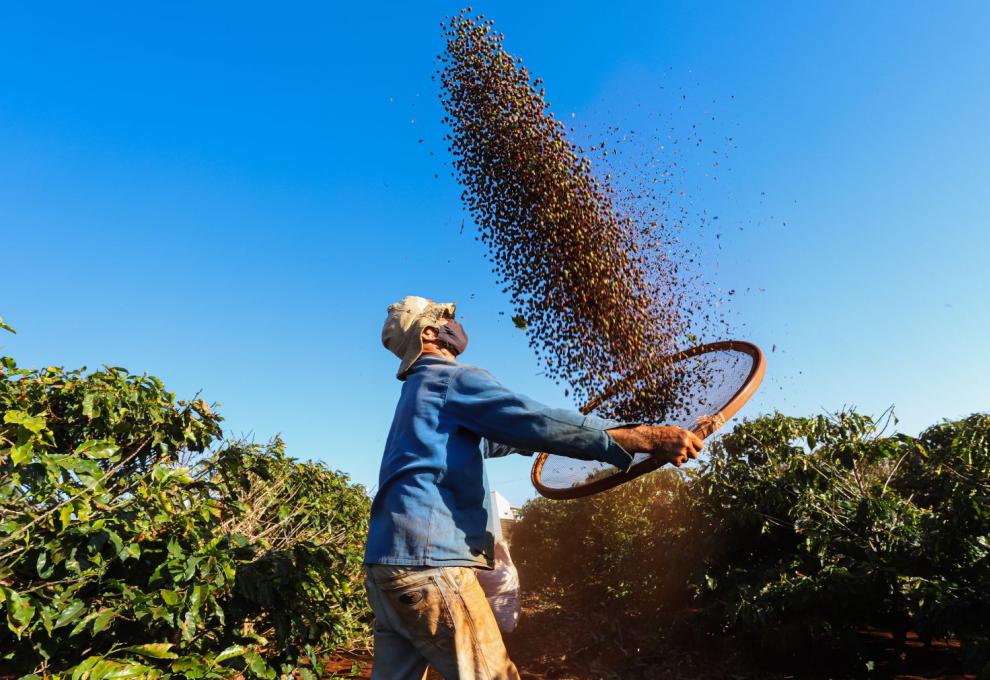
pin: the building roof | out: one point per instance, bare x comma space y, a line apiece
502, 507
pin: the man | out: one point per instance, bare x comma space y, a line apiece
429, 520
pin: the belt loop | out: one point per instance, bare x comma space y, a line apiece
445, 578
452, 583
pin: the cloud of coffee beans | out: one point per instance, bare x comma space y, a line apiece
592, 285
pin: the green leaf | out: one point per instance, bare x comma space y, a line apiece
104, 668
65, 514
189, 625
98, 448
199, 593
153, 650
70, 614
170, 597
23, 453
103, 620
229, 653
191, 564
131, 671
6, 327
19, 611
80, 625
258, 666
33, 423
82, 670
41, 563
190, 666
87, 405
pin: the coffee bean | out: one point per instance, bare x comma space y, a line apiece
590, 273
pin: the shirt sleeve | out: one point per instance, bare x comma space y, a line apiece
481, 404
497, 450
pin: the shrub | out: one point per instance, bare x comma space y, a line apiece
134, 543
630, 545
816, 527
794, 533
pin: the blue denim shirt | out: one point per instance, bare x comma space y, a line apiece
432, 504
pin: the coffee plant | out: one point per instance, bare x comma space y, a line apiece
794, 534
135, 542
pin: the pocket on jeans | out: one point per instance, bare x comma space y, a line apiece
420, 606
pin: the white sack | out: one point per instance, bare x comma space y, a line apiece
501, 586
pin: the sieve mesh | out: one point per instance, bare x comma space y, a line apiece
707, 382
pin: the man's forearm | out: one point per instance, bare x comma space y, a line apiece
667, 444
629, 437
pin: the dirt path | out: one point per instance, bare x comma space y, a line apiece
552, 643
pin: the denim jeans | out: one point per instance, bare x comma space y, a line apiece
434, 616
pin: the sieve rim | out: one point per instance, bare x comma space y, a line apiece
712, 423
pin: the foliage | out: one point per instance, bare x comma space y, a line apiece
819, 526
312, 524
795, 533
617, 547
134, 543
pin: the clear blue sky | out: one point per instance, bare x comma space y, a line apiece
227, 195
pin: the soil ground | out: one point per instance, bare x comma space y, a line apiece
550, 643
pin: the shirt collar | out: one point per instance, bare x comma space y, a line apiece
431, 360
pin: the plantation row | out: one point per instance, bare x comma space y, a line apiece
134, 542
792, 537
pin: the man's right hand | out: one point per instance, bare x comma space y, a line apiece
666, 444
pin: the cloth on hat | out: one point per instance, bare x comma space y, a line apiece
402, 333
